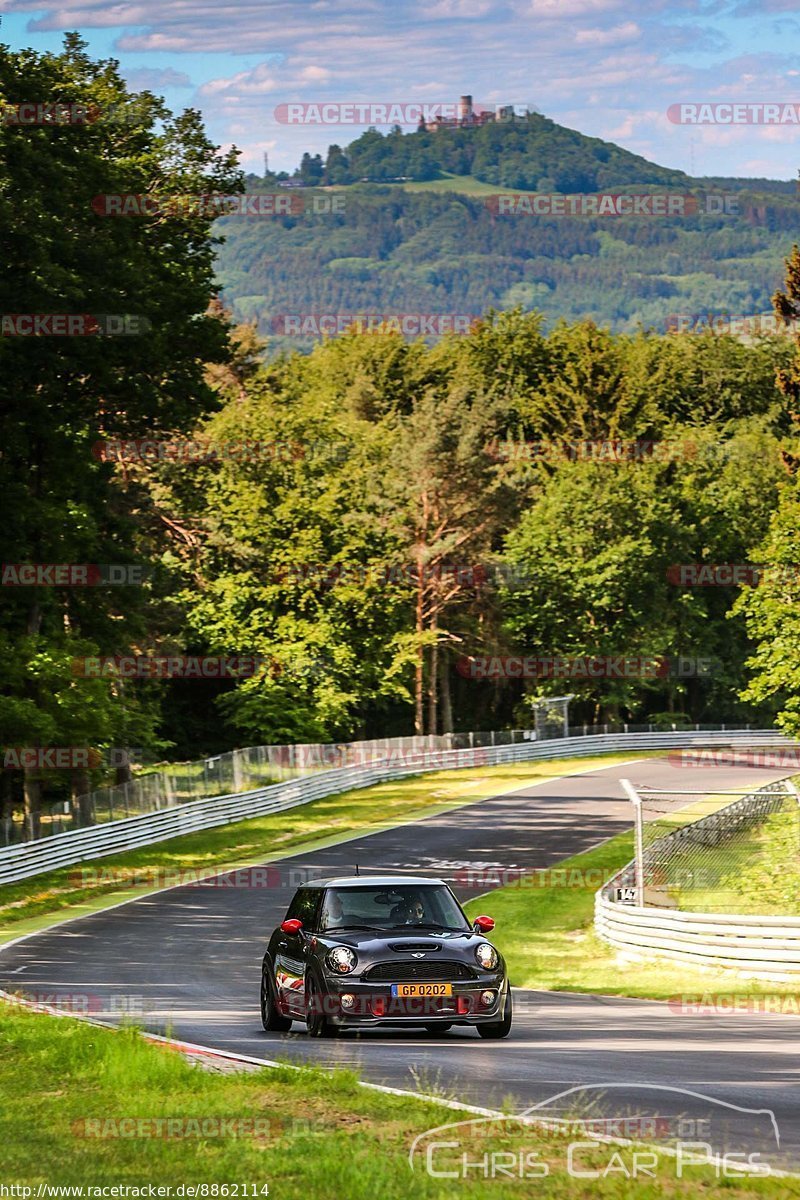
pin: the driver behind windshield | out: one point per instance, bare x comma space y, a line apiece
409, 912
370, 907
332, 912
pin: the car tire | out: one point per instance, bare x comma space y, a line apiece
498, 1029
319, 1026
272, 1020
443, 1028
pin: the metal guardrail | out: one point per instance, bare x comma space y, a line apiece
81, 845
766, 947
236, 772
252, 767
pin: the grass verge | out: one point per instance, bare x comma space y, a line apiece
82, 1107
30, 904
757, 872
545, 929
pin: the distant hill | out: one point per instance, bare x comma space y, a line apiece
435, 242
531, 153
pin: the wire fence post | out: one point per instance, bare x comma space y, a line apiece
638, 839
791, 788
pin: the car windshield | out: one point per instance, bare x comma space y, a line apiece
407, 906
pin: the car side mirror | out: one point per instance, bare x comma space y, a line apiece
293, 926
483, 924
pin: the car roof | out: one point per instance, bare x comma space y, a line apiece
380, 881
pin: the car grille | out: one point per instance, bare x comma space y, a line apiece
402, 972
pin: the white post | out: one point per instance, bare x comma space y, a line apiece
638, 852
791, 787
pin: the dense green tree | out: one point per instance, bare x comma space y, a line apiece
591, 556
771, 609
61, 395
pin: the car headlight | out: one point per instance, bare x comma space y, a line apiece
486, 956
341, 960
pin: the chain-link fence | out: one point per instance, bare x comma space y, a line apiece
239, 771
551, 717
721, 852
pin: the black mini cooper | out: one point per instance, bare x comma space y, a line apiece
395, 950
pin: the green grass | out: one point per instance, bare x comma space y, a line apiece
30, 904
547, 936
313, 1135
465, 185
754, 874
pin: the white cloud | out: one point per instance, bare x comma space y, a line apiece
155, 79
627, 32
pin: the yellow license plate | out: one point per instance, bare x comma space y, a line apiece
422, 989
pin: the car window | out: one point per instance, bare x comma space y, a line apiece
304, 906
387, 907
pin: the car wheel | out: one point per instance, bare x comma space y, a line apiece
272, 1020
443, 1028
498, 1029
319, 1026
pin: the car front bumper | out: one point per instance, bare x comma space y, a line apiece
355, 1003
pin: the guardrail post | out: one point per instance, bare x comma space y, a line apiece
638, 837
791, 787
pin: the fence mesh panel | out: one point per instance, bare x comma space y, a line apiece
719, 852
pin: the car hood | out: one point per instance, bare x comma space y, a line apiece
401, 942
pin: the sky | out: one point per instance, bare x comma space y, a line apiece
608, 68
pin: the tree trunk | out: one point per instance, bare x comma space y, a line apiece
33, 803
6, 808
419, 670
444, 692
433, 688
80, 803
123, 773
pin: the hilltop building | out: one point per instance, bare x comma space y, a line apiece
470, 118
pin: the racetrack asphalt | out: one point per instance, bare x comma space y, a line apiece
188, 961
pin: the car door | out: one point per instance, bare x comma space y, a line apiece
292, 951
